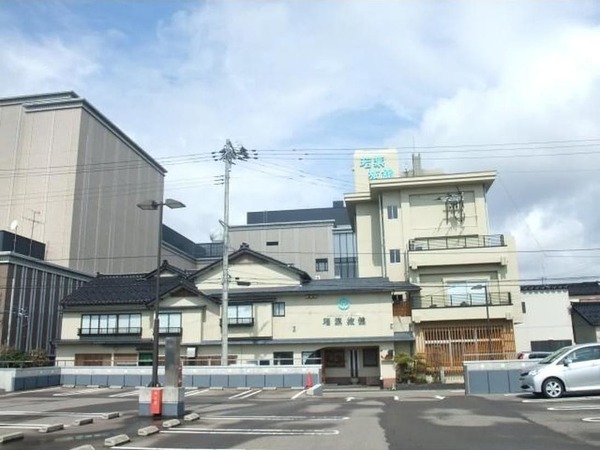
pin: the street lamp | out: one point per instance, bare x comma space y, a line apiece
487, 315
152, 205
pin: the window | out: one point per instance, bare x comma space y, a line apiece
322, 264
169, 323
110, 324
311, 357
278, 309
335, 358
272, 243
283, 358
395, 255
463, 293
370, 357
240, 315
392, 211
523, 307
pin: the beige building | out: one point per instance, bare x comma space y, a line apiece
277, 315
432, 230
72, 180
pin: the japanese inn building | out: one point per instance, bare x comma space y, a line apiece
431, 279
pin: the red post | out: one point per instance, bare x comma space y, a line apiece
156, 401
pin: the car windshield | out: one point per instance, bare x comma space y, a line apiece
554, 356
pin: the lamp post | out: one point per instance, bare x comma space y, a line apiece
152, 205
487, 315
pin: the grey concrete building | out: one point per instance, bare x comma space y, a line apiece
71, 179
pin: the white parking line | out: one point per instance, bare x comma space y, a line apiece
251, 431
196, 392
50, 413
277, 418
591, 419
241, 394
573, 408
34, 391
124, 394
565, 399
295, 396
80, 392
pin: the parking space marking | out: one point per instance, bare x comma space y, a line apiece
124, 394
80, 392
52, 413
25, 426
245, 394
251, 431
302, 392
33, 391
591, 419
565, 399
196, 392
573, 408
277, 418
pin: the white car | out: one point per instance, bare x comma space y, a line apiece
574, 368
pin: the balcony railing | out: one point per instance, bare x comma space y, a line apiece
173, 331
110, 331
454, 242
241, 321
465, 300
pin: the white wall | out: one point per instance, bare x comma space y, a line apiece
547, 317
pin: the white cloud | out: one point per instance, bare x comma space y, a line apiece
265, 72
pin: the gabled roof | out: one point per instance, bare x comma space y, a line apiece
589, 311
128, 289
313, 287
245, 250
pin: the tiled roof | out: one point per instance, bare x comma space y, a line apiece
575, 289
587, 288
589, 311
344, 285
129, 289
544, 287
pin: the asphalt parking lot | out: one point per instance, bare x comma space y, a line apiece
67, 418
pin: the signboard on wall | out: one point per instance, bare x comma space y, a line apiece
372, 165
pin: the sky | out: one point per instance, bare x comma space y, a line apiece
510, 86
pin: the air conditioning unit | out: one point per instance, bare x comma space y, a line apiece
317, 277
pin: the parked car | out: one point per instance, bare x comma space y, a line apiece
574, 368
533, 355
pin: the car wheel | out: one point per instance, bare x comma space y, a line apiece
553, 388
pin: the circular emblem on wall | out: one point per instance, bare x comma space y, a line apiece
343, 303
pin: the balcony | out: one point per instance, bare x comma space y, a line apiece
457, 251
169, 331
455, 242
239, 321
464, 300
110, 331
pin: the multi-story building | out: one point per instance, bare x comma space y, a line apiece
431, 229
72, 180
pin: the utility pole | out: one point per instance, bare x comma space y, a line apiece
33, 222
228, 154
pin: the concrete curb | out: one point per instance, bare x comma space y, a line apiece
84, 447
116, 440
191, 417
147, 431
82, 421
111, 415
51, 428
11, 436
171, 423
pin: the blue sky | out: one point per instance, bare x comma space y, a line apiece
459, 82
